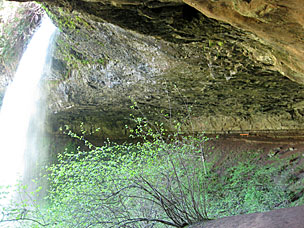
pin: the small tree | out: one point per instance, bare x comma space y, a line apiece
156, 183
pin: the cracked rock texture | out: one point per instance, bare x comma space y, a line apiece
170, 57
280, 24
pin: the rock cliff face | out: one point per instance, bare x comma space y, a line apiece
280, 24
168, 56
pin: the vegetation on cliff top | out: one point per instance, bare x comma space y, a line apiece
18, 22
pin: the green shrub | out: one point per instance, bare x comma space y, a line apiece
247, 187
166, 180
150, 184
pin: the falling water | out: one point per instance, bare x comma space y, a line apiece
19, 105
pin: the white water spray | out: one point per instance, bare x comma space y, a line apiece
19, 105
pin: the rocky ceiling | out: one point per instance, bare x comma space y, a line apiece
278, 23
237, 64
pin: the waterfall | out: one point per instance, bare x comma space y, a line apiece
19, 106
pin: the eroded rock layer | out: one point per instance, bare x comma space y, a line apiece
278, 23
170, 58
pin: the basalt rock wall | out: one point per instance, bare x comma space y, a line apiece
213, 76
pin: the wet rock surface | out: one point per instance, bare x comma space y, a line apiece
167, 57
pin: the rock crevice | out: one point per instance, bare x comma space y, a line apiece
233, 69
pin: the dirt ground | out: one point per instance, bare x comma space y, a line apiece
281, 218
281, 143
239, 146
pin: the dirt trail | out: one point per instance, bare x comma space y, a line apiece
278, 143
281, 218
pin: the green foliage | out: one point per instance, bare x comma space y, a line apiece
164, 180
23, 211
153, 183
19, 23
246, 188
